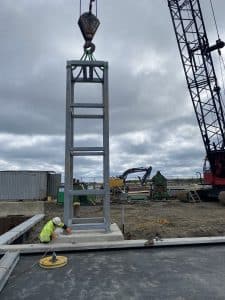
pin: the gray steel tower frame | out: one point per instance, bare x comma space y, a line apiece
95, 72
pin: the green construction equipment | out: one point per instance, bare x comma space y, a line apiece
159, 187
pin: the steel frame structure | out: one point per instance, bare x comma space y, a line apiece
200, 75
95, 72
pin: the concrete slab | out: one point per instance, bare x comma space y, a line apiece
25, 208
88, 236
178, 273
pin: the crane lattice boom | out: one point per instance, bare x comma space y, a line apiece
201, 78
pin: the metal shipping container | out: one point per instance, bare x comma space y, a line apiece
24, 185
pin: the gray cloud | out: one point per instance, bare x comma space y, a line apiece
152, 121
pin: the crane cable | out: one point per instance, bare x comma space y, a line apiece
222, 66
221, 59
214, 17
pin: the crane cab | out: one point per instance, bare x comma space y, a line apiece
214, 170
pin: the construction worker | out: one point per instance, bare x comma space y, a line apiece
48, 231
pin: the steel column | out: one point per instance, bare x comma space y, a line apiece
68, 180
106, 203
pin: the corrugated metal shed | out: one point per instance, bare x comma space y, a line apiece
24, 185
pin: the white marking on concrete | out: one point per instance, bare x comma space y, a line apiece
7, 264
14, 233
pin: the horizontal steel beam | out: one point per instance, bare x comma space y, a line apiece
88, 226
87, 220
87, 105
95, 63
90, 80
14, 233
86, 153
74, 149
7, 264
84, 116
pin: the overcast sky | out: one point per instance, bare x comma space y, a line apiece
152, 120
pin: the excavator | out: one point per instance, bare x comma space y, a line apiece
197, 60
118, 184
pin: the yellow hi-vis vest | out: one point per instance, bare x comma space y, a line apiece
47, 231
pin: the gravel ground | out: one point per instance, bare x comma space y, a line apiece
170, 218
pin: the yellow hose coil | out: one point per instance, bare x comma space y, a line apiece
48, 263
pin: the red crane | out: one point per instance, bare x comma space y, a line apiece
196, 57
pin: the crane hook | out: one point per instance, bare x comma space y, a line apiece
88, 24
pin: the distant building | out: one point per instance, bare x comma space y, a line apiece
28, 185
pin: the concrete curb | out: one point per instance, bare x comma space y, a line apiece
125, 244
13, 234
7, 264
66, 247
189, 241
